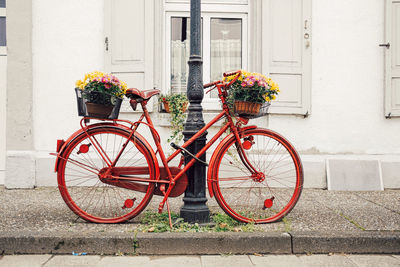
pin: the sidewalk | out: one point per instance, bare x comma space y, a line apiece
341, 260
38, 222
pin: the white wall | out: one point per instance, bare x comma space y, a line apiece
347, 84
67, 42
3, 95
347, 77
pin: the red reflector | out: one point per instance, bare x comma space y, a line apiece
60, 143
129, 203
84, 149
247, 144
268, 203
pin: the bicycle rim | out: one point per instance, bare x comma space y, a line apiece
266, 195
82, 190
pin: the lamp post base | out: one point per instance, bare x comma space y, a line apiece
195, 212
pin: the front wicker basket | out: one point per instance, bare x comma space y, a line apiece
250, 110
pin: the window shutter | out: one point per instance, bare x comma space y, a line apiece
392, 56
129, 42
286, 44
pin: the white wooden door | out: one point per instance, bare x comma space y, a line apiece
129, 41
392, 56
286, 51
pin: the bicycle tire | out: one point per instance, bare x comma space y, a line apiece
257, 199
83, 191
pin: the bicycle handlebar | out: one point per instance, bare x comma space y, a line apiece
211, 84
226, 74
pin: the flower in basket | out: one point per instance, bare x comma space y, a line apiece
252, 90
103, 95
101, 88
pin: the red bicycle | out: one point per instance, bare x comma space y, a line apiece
108, 172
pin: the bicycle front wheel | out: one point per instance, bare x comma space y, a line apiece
79, 171
262, 186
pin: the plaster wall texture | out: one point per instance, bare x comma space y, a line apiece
67, 42
347, 84
3, 95
347, 81
347, 77
19, 76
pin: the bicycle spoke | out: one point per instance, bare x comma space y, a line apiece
269, 193
79, 180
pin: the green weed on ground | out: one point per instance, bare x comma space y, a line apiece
159, 222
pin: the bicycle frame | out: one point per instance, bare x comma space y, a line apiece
114, 174
249, 170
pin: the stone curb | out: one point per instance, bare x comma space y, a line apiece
24, 242
353, 242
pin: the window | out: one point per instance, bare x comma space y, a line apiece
224, 46
3, 39
180, 52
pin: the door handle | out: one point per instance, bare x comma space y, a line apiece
386, 45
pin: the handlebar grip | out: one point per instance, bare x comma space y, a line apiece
210, 84
226, 74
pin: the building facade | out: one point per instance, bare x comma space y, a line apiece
337, 64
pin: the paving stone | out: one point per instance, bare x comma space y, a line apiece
326, 260
23, 260
184, 261
354, 175
365, 214
389, 199
217, 261
276, 261
39, 225
124, 261
374, 260
73, 261
310, 214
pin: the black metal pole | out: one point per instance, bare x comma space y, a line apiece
195, 208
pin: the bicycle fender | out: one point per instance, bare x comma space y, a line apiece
210, 172
107, 124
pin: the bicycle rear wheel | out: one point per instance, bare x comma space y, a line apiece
266, 195
82, 189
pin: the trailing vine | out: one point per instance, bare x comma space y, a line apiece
177, 104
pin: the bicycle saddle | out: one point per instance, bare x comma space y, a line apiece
136, 94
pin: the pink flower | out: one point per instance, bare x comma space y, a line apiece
107, 85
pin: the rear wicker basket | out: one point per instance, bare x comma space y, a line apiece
83, 110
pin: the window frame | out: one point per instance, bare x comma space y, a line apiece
209, 12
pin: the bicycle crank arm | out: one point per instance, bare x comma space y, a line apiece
175, 146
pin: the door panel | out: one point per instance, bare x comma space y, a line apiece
392, 56
129, 42
287, 53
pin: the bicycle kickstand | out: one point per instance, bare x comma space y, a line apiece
161, 206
